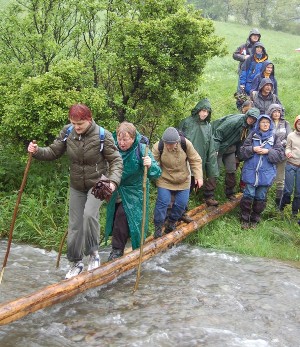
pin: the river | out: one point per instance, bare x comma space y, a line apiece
187, 296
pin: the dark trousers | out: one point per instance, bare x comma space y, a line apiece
120, 232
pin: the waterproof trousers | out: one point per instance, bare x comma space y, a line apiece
84, 227
120, 232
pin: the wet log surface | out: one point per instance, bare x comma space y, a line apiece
107, 272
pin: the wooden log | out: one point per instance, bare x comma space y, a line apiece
66, 289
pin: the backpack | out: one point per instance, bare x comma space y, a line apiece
144, 140
182, 142
101, 135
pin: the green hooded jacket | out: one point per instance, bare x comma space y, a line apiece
199, 132
130, 191
232, 130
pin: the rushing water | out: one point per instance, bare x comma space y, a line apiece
187, 296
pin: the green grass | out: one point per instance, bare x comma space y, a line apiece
220, 77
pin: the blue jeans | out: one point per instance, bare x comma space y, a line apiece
292, 179
163, 201
257, 193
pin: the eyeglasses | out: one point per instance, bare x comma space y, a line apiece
264, 122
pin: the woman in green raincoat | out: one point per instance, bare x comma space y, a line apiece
125, 208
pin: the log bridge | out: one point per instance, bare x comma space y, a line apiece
64, 290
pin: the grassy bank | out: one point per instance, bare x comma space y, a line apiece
278, 235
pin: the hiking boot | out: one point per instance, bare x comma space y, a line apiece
245, 225
186, 218
169, 227
211, 202
158, 231
115, 253
75, 270
94, 261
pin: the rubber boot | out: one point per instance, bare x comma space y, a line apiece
209, 188
246, 207
278, 197
257, 208
230, 182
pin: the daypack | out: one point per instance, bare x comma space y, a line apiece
182, 142
144, 140
101, 135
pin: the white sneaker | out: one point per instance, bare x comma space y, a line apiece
94, 261
75, 270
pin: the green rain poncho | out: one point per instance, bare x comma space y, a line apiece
130, 190
199, 132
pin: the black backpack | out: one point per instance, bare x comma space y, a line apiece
144, 139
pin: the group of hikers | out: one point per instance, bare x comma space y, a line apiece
185, 158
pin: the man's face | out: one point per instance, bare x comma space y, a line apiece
203, 114
298, 125
267, 88
254, 38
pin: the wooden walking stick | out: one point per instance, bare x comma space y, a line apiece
61, 247
15, 213
143, 223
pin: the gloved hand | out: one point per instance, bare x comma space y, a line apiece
102, 189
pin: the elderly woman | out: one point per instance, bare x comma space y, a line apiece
89, 160
282, 129
125, 208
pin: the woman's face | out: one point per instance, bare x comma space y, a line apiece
80, 126
264, 124
269, 68
124, 141
298, 125
276, 115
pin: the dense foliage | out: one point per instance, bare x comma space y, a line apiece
125, 59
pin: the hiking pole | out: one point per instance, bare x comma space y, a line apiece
143, 222
15, 213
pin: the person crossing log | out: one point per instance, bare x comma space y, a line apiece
64, 290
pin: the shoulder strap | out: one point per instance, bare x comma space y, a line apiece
160, 147
101, 136
183, 142
68, 132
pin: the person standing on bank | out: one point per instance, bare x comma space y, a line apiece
177, 166
261, 151
87, 164
243, 52
197, 128
282, 129
229, 133
124, 214
292, 170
